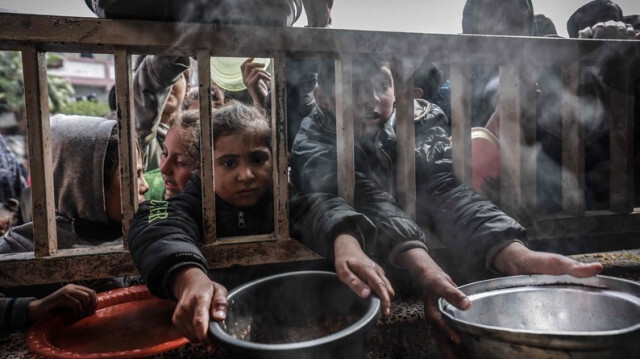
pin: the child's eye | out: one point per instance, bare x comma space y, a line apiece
229, 163
384, 85
258, 158
164, 154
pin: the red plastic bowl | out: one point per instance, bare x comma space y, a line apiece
128, 323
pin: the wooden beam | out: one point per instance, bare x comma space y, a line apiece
207, 170
572, 143
279, 146
405, 134
461, 121
127, 145
36, 94
344, 128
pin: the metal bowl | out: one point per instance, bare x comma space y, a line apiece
543, 316
307, 314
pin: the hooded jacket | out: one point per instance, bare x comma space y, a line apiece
78, 147
473, 228
166, 235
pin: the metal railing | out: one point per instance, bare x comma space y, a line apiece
515, 56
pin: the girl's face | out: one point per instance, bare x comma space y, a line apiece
112, 193
242, 168
176, 165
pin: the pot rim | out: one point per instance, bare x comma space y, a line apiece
220, 334
630, 289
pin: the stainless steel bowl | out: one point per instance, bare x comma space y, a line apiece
543, 316
306, 314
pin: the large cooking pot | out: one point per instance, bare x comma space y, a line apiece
306, 314
541, 316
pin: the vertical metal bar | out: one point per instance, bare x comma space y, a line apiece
621, 134
461, 121
206, 148
510, 139
344, 128
127, 140
572, 143
279, 141
405, 132
34, 68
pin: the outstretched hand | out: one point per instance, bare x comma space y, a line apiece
360, 273
199, 298
257, 80
609, 30
434, 283
81, 300
517, 259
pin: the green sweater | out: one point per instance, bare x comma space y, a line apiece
156, 185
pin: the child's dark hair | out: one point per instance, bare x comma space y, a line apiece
188, 124
236, 117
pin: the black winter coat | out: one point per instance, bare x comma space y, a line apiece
166, 235
472, 227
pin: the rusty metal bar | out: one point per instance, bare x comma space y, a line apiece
206, 147
461, 121
127, 147
529, 151
344, 128
572, 143
405, 133
279, 141
36, 95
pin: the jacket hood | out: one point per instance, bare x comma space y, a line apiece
78, 148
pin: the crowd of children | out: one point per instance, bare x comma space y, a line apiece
368, 241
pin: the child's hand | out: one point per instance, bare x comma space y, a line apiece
257, 80
198, 298
81, 300
360, 273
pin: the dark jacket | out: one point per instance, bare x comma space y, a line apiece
471, 226
166, 235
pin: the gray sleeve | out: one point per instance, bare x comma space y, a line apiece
152, 83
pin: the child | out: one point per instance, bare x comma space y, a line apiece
165, 235
180, 158
160, 85
476, 231
87, 198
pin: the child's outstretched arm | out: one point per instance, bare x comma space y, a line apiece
199, 298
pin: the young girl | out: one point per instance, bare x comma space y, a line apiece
165, 236
180, 158
87, 199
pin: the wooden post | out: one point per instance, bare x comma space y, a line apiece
280, 150
207, 172
36, 95
572, 143
127, 140
461, 121
344, 128
406, 138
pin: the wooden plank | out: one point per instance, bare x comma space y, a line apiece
96, 35
23, 269
36, 95
591, 224
344, 128
510, 139
461, 121
405, 134
529, 149
207, 171
279, 145
127, 145
572, 143
621, 138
